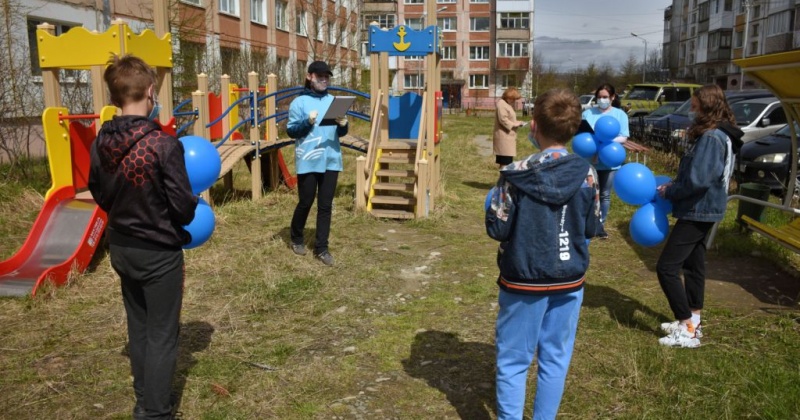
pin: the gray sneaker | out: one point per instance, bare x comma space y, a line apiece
299, 249
325, 257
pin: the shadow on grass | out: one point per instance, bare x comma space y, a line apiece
622, 308
309, 235
463, 371
195, 336
769, 282
485, 186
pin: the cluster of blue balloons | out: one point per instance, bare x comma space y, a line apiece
636, 185
602, 143
203, 165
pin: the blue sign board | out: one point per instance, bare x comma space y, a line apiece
404, 41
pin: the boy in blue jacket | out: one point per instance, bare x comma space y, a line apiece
543, 211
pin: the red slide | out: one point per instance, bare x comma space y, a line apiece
63, 238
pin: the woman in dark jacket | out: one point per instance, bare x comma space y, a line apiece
699, 196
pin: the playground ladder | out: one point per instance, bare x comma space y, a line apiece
393, 192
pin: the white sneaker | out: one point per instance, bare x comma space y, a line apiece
681, 337
671, 327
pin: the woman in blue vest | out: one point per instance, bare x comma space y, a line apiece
607, 105
318, 158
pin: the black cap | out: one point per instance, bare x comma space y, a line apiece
319, 67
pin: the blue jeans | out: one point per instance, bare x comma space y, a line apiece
606, 181
528, 324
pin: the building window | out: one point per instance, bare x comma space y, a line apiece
414, 23
413, 2
738, 39
446, 1
300, 24
755, 30
508, 80
280, 15
479, 24
230, 59
414, 57
318, 25
479, 53
479, 81
479, 1
258, 11
447, 75
230, 7
449, 52
514, 20
447, 24
728, 5
384, 21
60, 28
756, 11
512, 49
194, 2
703, 12
779, 23
332, 31
414, 81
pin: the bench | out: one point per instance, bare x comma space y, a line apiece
787, 235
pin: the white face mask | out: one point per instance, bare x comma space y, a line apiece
604, 103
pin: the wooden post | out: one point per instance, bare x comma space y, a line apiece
50, 85
384, 86
423, 191
98, 93
255, 138
272, 132
361, 183
161, 27
225, 100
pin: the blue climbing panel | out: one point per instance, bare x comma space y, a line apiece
404, 116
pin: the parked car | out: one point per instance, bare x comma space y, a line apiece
641, 125
644, 98
767, 160
587, 101
672, 128
758, 117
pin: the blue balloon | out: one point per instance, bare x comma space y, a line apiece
488, 202
583, 145
649, 225
203, 162
612, 154
606, 129
662, 203
202, 226
635, 184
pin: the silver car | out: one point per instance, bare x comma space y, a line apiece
758, 117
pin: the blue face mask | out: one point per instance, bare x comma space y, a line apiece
533, 141
156, 109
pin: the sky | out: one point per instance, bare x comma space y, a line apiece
570, 34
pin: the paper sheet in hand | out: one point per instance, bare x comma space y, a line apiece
339, 107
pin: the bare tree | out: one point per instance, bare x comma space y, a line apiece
20, 102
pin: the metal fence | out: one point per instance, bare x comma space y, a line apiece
666, 138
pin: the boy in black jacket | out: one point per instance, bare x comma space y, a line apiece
138, 176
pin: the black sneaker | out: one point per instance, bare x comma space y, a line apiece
299, 249
325, 257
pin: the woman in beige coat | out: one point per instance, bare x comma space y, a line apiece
504, 140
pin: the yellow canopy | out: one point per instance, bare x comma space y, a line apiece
780, 73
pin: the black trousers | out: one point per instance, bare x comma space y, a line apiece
152, 290
309, 186
685, 250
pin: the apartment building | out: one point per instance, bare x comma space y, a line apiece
486, 47
223, 36
702, 37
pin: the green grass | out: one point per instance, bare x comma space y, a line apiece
402, 327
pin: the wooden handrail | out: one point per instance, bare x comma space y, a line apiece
374, 143
421, 137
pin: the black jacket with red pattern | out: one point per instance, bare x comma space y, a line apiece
138, 176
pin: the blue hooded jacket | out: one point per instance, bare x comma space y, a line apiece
543, 210
317, 147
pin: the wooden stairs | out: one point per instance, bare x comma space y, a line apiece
394, 180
